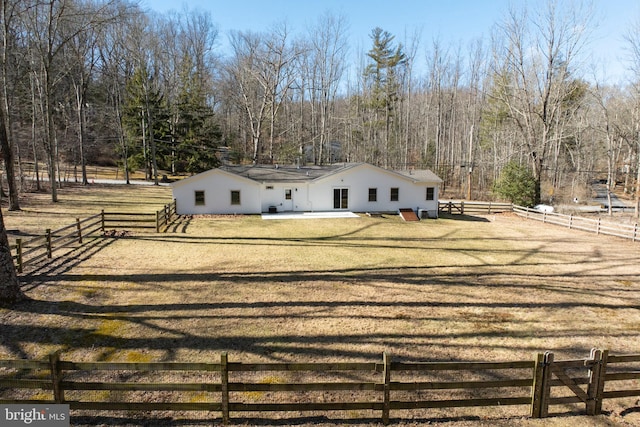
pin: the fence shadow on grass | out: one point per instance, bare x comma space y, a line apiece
464, 217
56, 267
82, 421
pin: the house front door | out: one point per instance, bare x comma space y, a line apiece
288, 200
341, 198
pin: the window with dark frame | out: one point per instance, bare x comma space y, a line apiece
373, 194
431, 193
199, 198
235, 197
395, 194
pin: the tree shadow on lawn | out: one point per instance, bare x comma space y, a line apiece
56, 273
153, 317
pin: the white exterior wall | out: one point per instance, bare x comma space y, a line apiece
217, 186
358, 180
273, 194
315, 195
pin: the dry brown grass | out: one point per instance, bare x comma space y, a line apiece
501, 288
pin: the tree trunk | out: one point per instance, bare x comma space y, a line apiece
10, 292
6, 146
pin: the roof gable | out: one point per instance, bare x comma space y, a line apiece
209, 174
413, 176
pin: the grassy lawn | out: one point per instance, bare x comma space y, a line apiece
494, 288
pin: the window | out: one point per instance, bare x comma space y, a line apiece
199, 194
340, 198
395, 194
431, 193
287, 194
235, 197
373, 194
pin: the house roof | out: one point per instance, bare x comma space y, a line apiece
420, 175
276, 173
284, 174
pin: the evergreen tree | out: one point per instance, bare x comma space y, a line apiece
145, 119
516, 184
382, 75
196, 136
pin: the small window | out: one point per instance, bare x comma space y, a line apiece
373, 194
287, 194
431, 193
395, 194
199, 194
235, 197
269, 187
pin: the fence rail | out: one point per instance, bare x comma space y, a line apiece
462, 207
228, 387
28, 251
44, 246
598, 226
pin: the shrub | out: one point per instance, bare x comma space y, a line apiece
516, 184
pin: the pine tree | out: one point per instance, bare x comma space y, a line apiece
382, 74
196, 136
145, 119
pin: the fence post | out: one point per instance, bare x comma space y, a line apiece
462, 207
79, 227
536, 387
595, 389
541, 388
386, 400
546, 385
56, 377
224, 382
635, 232
489, 208
598, 227
19, 254
102, 220
157, 221
48, 238
570, 221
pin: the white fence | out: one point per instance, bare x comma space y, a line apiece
598, 226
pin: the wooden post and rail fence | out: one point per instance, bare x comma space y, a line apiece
42, 247
574, 222
382, 387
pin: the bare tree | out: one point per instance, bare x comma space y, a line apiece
9, 9
10, 291
535, 61
250, 83
612, 129
632, 38
51, 25
262, 72
328, 50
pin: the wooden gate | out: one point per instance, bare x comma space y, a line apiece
572, 375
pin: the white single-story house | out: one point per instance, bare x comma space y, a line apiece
356, 187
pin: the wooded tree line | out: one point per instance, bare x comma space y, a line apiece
103, 82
